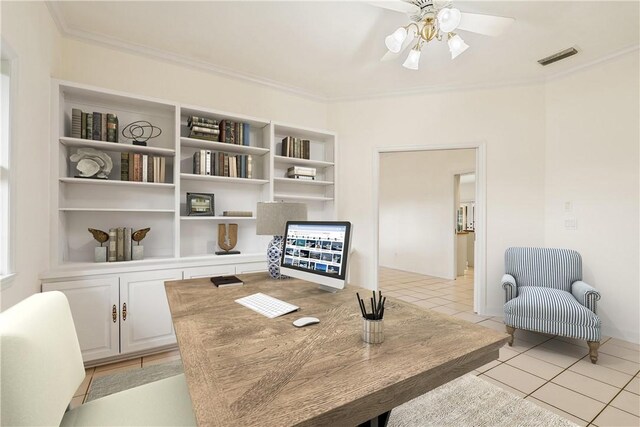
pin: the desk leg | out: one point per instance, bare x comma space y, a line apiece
379, 421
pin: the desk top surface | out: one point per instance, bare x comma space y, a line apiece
245, 369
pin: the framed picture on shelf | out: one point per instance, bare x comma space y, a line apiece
201, 204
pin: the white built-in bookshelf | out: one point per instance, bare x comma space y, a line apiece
81, 203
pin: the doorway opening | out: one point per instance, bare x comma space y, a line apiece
416, 232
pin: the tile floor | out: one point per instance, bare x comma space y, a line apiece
552, 372
549, 371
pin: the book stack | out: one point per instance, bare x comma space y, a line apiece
203, 128
142, 167
234, 132
95, 126
206, 162
295, 147
299, 172
247, 214
119, 244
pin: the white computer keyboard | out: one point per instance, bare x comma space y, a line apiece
267, 306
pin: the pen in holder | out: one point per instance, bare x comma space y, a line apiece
372, 323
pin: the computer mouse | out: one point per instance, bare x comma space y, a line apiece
304, 321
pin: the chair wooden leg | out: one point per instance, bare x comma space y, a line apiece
510, 330
593, 350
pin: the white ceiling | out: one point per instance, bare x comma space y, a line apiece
331, 50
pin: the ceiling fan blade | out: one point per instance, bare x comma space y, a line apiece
487, 25
397, 6
390, 56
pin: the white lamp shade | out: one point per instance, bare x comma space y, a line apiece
271, 217
412, 60
394, 40
457, 46
449, 19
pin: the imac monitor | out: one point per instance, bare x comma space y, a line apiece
317, 251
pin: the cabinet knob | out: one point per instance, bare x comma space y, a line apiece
114, 313
124, 311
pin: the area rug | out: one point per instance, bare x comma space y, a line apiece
109, 384
466, 401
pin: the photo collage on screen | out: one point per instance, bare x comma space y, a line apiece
318, 250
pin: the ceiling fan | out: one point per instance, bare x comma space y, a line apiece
435, 20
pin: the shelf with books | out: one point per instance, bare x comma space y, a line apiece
134, 184
300, 181
226, 179
222, 146
116, 146
217, 218
282, 196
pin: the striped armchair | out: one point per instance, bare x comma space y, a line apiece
545, 293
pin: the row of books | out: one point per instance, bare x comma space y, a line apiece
301, 172
295, 147
226, 131
207, 162
119, 244
95, 126
142, 167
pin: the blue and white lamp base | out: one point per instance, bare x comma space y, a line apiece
274, 253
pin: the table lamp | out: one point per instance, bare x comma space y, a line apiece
271, 220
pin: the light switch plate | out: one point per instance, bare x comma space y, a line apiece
570, 224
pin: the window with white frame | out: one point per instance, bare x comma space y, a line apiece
5, 171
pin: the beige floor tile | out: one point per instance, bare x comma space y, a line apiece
521, 345
557, 411
618, 364
76, 401
625, 344
124, 368
629, 402
587, 386
425, 304
110, 366
615, 417
445, 310
619, 351
535, 366
515, 378
496, 326
488, 366
440, 301
460, 307
533, 337
557, 355
601, 373
407, 298
569, 401
634, 386
502, 386
506, 353
469, 317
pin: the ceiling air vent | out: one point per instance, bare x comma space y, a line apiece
558, 56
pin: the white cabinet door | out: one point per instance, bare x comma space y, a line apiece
251, 267
93, 302
212, 270
145, 320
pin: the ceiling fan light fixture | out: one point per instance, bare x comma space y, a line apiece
456, 45
394, 40
449, 19
413, 59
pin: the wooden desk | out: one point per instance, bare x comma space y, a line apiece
244, 369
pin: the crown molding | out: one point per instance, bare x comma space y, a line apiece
157, 54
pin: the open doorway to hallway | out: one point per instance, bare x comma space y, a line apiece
418, 229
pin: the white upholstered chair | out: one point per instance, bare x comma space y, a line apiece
41, 368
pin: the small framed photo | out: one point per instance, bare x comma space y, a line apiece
200, 204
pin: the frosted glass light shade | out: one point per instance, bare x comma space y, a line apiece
449, 19
456, 46
413, 59
394, 40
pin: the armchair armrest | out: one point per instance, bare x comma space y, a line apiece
509, 286
585, 294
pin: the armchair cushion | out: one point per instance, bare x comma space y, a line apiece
551, 310
585, 294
